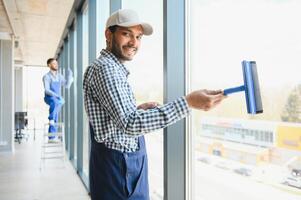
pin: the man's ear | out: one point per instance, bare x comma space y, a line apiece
108, 34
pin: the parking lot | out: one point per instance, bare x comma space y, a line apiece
218, 178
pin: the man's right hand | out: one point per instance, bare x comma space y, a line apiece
204, 99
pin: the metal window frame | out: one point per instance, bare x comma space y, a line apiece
1, 95
92, 26
115, 5
62, 63
73, 97
80, 99
67, 97
175, 139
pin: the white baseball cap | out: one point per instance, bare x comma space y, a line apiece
128, 18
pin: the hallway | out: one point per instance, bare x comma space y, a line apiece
22, 179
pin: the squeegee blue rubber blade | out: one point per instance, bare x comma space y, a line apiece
252, 89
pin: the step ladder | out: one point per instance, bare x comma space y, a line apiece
53, 149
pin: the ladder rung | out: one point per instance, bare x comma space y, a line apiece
52, 157
58, 143
53, 134
54, 145
50, 152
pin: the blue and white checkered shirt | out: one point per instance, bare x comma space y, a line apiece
111, 106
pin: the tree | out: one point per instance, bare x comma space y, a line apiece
292, 108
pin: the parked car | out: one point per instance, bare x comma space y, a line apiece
293, 178
294, 181
243, 171
296, 172
204, 160
222, 165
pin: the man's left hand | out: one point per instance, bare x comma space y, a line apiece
148, 105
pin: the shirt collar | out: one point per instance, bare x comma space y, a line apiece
51, 73
110, 55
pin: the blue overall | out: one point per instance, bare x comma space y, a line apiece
118, 176
55, 106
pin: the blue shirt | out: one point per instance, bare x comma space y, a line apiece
111, 107
51, 77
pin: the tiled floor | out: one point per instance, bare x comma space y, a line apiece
22, 179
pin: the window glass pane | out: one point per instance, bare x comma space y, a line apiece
146, 79
236, 155
85, 65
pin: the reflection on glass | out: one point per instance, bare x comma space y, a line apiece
238, 156
85, 117
146, 79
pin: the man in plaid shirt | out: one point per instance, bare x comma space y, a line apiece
118, 159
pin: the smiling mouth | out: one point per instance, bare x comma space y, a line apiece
131, 49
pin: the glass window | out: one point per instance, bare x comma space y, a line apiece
146, 79
221, 35
85, 117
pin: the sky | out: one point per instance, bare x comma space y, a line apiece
223, 33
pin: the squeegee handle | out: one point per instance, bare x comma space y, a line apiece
234, 89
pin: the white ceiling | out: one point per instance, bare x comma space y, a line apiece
38, 26
4, 23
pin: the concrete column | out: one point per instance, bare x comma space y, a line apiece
19, 89
6, 96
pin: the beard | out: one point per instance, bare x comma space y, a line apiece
117, 51
54, 69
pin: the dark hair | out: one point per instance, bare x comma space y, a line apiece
113, 28
50, 60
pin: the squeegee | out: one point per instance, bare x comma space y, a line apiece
250, 87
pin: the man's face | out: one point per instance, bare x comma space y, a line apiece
53, 65
125, 42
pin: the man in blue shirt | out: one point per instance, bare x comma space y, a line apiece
53, 81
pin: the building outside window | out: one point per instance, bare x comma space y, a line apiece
236, 155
